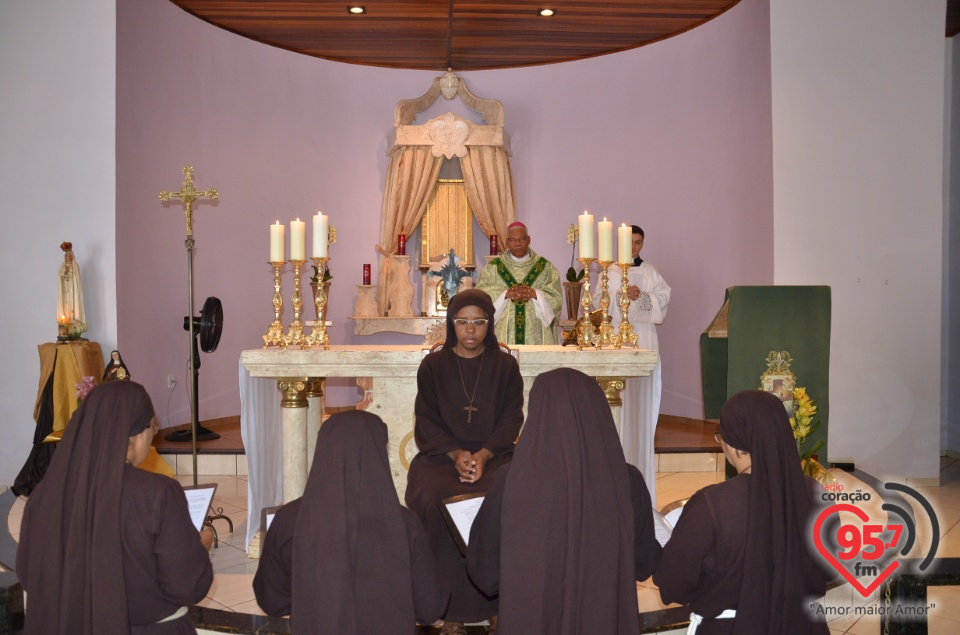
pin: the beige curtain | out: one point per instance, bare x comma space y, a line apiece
489, 183
411, 177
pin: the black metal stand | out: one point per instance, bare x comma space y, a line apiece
202, 434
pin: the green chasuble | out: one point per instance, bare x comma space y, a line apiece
518, 322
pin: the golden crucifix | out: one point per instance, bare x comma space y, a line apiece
188, 194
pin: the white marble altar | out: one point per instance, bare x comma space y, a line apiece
388, 376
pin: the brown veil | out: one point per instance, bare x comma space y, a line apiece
776, 563
567, 523
351, 536
470, 297
75, 577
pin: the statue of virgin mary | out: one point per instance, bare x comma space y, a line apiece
70, 295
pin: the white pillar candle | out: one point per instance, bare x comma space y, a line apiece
298, 240
277, 233
625, 243
321, 227
586, 235
605, 241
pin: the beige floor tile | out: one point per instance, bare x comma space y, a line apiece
866, 625
947, 601
649, 600
251, 608
232, 589
941, 626
226, 556
211, 604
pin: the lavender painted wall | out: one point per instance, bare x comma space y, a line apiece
675, 136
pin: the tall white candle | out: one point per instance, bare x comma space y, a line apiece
298, 240
586, 235
277, 234
605, 241
321, 227
625, 243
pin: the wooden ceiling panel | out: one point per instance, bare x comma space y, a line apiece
464, 35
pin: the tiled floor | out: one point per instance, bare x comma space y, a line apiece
232, 587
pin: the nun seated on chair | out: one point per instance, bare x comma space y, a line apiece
469, 410
566, 529
346, 557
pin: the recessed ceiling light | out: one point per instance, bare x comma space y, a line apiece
357, 10
547, 12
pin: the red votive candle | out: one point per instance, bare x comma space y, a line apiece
402, 244
493, 244
366, 275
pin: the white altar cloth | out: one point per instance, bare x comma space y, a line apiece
388, 376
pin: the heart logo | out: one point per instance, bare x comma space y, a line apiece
862, 515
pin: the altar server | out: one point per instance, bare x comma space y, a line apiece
649, 296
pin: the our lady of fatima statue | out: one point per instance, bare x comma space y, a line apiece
70, 313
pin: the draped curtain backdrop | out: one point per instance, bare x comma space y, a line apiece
412, 176
489, 182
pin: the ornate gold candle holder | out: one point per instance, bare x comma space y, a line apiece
606, 335
626, 337
319, 336
274, 336
295, 336
586, 335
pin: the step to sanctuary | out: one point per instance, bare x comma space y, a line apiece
681, 445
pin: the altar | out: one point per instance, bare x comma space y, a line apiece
388, 376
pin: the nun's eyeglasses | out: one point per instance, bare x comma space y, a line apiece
717, 437
462, 322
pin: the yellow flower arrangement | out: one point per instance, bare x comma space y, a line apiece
802, 422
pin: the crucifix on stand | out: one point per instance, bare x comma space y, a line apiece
210, 324
188, 194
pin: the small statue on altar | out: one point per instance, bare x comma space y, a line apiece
70, 313
451, 273
115, 368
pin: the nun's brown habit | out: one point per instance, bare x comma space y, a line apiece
565, 533
346, 558
442, 426
106, 547
741, 544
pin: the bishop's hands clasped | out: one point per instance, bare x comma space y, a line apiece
470, 466
521, 293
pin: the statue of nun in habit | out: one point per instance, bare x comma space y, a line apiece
70, 295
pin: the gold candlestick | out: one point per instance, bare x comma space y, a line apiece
319, 336
606, 335
586, 335
626, 335
274, 336
296, 336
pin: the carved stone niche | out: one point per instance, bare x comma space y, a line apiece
446, 226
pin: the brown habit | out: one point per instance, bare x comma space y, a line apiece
366, 567
441, 426
558, 534
741, 544
106, 547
